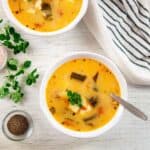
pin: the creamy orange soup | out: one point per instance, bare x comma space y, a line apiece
78, 94
45, 15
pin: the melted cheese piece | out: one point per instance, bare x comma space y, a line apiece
86, 105
38, 4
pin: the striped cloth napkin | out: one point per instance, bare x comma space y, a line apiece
122, 27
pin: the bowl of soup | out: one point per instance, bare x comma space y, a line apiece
75, 94
45, 17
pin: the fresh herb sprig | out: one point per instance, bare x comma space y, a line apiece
1, 20
74, 98
12, 64
12, 39
32, 77
12, 87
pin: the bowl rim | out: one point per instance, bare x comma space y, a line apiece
111, 66
70, 26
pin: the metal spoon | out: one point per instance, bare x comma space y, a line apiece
130, 107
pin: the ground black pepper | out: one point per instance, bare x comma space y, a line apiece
18, 125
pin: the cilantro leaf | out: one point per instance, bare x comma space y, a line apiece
12, 64
12, 87
32, 77
12, 39
27, 64
1, 20
74, 98
4, 91
16, 96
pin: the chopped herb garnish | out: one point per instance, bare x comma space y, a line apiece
12, 40
12, 87
1, 20
27, 64
4, 91
16, 96
74, 98
12, 64
32, 77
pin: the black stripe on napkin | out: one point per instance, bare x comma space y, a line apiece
142, 6
142, 12
138, 18
130, 41
123, 29
120, 10
134, 62
112, 9
141, 61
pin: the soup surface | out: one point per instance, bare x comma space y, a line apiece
78, 94
45, 15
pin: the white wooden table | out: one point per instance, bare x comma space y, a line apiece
130, 134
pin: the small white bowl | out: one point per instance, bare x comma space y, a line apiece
70, 26
98, 131
11, 136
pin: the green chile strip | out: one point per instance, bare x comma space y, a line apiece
78, 76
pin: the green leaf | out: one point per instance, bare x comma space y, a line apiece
74, 98
27, 64
19, 72
13, 40
11, 30
25, 45
7, 34
8, 44
2, 37
15, 85
8, 84
10, 77
32, 77
4, 91
16, 96
12, 64
1, 20
17, 37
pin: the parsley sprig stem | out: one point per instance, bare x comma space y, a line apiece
12, 88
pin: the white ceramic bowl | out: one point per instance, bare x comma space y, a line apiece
70, 132
70, 26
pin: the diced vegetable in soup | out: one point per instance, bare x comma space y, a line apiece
45, 15
78, 94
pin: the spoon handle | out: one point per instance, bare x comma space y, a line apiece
130, 107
